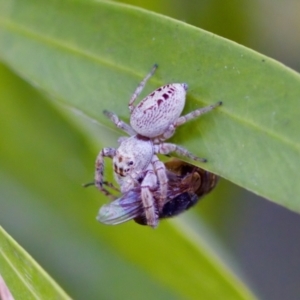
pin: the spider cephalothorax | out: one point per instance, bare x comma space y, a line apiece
131, 159
135, 161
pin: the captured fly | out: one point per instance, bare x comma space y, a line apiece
187, 184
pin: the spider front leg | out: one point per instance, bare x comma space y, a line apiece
140, 88
119, 123
167, 148
149, 183
105, 152
160, 170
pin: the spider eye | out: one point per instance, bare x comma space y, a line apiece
130, 163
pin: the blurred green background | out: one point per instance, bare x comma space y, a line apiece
262, 238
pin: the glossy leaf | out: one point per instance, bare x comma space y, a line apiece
23, 276
91, 55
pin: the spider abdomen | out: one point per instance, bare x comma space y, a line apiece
155, 113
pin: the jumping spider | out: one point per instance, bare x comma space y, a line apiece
187, 184
135, 162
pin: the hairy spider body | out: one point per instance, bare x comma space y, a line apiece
132, 158
135, 162
187, 184
153, 116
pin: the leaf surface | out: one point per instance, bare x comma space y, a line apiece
92, 55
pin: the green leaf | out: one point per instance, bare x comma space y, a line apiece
24, 277
91, 56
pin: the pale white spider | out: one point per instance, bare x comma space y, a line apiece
135, 161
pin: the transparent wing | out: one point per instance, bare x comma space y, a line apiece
123, 209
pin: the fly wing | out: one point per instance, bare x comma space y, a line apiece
123, 209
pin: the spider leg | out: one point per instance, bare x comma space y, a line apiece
149, 183
196, 113
160, 170
119, 123
166, 148
183, 119
111, 185
105, 152
140, 88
